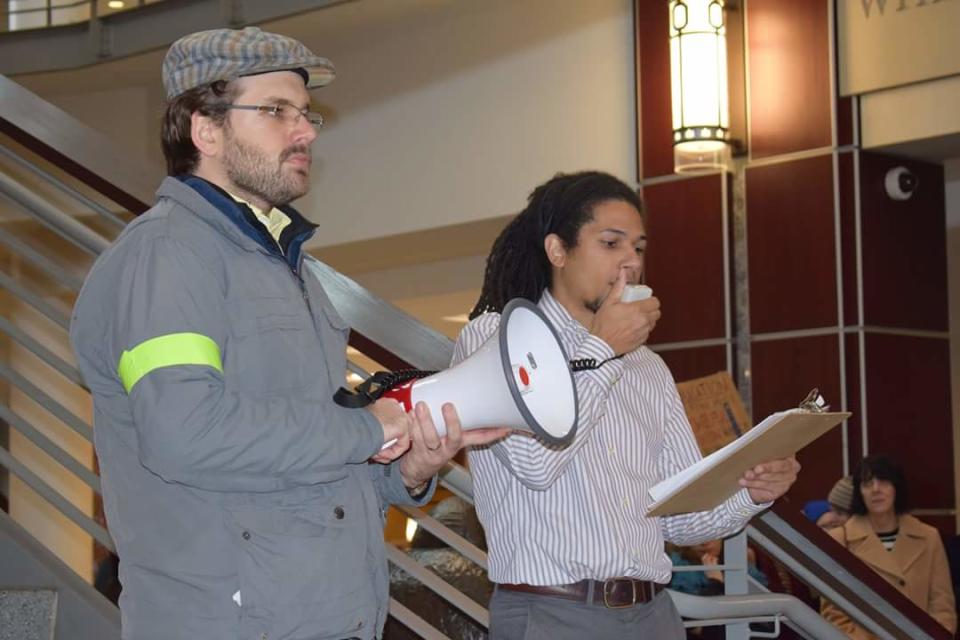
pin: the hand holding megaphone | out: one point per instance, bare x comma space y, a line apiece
623, 325
429, 451
519, 378
397, 425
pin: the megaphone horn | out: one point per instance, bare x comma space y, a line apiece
519, 378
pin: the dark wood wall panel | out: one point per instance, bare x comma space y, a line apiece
686, 364
684, 259
909, 414
791, 252
904, 247
854, 406
653, 83
844, 121
848, 238
789, 76
782, 374
946, 525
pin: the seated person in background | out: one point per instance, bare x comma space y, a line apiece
905, 552
708, 582
814, 510
834, 511
841, 503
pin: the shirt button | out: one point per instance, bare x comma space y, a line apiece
338, 512
245, 535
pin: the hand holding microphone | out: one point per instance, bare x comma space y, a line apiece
627, 316
636, 292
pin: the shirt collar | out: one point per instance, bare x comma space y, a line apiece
559, 316
274, 220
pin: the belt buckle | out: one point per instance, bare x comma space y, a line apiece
606, 592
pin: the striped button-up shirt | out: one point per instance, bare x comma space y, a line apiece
557, 515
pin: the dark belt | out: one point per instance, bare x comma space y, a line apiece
614, 593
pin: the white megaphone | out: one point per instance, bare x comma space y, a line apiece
520, 378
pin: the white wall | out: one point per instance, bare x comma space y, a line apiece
456, 113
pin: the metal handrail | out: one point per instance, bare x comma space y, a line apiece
47, 445
54, 219
414, 622
73, 147
40, 261
744, 608
438, 585
454, 540
50, 494
49, 9
60, 185
47, 402
49, 311
36, 348
832, 580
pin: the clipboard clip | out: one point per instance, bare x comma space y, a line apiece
814, 402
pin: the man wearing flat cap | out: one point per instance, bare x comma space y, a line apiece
244, 503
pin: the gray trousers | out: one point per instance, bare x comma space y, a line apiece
530, 616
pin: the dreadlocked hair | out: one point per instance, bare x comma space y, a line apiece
517, 266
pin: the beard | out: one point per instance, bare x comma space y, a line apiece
253, 172
595, 304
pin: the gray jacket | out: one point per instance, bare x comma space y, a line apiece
237, 493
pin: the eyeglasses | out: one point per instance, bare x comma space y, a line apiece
283, 112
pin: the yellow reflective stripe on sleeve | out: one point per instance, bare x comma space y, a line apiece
171, 350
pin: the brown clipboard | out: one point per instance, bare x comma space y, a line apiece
708, 483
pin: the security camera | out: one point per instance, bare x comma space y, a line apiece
900, 183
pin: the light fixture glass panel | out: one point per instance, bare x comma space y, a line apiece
698, 71
701, 81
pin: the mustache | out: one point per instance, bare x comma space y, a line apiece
300, 148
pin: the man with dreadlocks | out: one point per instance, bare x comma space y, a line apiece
570, 549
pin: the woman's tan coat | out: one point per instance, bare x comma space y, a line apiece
916, 566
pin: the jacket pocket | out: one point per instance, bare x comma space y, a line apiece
269, 347
304, 570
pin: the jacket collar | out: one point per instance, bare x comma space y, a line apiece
237, 221
910, 544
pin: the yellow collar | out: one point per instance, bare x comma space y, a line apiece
274, 221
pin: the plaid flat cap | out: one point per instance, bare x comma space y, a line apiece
227, 54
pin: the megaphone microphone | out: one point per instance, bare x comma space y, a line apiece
519, 378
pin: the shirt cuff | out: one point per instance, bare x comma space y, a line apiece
423, 496
743, 506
